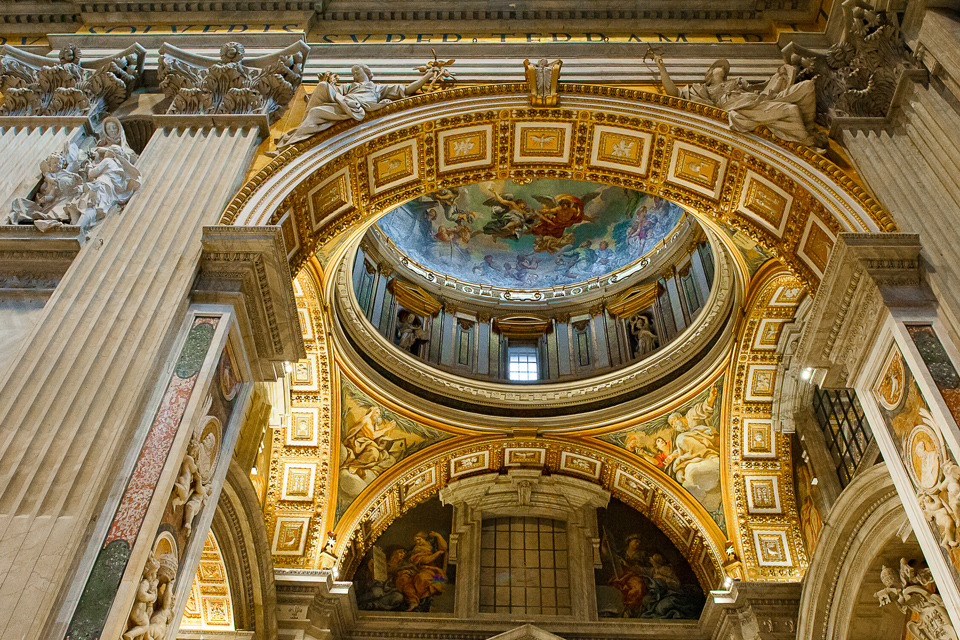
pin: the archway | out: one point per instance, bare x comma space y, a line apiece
791, 200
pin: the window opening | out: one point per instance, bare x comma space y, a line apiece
844, 427
524, 566
523, 364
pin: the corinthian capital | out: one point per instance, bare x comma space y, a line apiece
231, 85
35, 85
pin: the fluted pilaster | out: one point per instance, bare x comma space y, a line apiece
74, 399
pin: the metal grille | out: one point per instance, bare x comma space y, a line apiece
844, 427
523, 566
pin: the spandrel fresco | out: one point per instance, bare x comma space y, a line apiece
373, 439
685, 445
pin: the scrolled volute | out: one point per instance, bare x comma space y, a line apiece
231, 85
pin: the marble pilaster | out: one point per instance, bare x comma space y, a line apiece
73, 399
861, 334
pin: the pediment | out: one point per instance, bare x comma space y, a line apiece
526, 632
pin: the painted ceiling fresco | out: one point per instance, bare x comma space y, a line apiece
545, 233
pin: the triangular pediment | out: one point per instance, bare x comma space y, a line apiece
526, 632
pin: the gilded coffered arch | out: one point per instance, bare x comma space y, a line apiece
628, 478
332, 187
325, 192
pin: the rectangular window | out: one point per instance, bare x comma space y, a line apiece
583, 346
523, 364
706, 255
690, 292
464, 344
524, 567
845, 428
366, 289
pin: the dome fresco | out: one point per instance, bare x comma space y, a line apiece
546, 233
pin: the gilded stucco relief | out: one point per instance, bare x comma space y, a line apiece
759, 472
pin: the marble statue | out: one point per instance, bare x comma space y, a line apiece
82, 187
646, 338
330, 103
783, 105
914, 592
192, 486
138, 624
153, 604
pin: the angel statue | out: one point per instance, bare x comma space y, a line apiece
111, 177
646, 338
81, 188
786, 107
330, 103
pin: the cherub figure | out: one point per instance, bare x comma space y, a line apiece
138, 624
192, 486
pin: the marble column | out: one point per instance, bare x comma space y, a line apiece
75, 397
875, 326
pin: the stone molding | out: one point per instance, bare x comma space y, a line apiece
866, 515
752, 610
351, 330
30, 259
249, 261
865, 274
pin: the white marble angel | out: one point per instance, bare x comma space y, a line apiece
59, 188
786, 107
80, 188
330, 103
111, 178
646, 338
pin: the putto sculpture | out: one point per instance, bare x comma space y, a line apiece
82, 187
153, 606
914, 592
332, 102
35, 85
231, 85
192, 487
